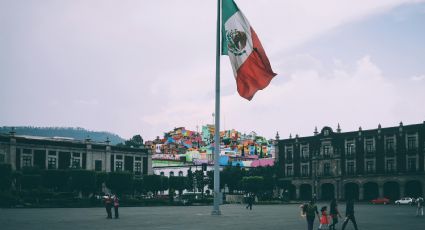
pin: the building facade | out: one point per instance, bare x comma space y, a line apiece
64, 153
362, 165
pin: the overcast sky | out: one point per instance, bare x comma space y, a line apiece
145, 67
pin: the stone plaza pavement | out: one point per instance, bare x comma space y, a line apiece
234, 217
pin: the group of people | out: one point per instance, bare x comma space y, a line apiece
310, 211
111, 201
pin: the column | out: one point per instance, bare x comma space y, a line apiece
11, 156
338, 190
401, 189
46, 161
381, 189
361, 192
297, 192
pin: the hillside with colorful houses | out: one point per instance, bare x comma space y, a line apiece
183, 147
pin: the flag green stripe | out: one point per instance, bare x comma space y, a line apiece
229, 8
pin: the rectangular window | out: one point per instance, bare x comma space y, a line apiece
369, 146
138, 168
98, 165
304, 152
390, 146
26, 161
118, 166
304, 170
326, 169
51, 162
289, 154
289, 171
390, 165
26, 151
411, 142
350, 168
326, 150
145, 165
350, 149
411, 164
369, 167
76, 163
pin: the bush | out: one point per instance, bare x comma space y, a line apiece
8, 200
5, 177
83, 180
120, 182
55, 179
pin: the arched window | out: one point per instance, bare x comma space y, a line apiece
171, 173
180, 173
161, 173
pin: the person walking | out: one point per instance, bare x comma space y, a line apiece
324, 220
108, 206
334, 213
310, 211
420, 206
349, 214
250, 200
116, 206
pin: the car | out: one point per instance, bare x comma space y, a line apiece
404, 200
382, 200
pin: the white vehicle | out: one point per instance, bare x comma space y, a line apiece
404, 200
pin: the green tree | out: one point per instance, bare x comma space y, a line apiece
136, 141
152, 183
55, 179
232, 177
5, 177
31, 178
139, 186
200, 181
163, 183
101, 178
83, 181
178, 183
189, 180
120, 182
253, 184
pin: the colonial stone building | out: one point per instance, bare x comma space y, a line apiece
363, 164
64, 153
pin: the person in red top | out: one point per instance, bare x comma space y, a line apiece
116, 205
324, 220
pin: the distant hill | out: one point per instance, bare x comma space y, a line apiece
76, 133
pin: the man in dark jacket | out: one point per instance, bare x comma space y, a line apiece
349, 214
310, 211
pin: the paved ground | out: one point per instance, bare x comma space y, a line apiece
369, 217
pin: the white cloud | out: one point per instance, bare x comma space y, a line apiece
150, 64
418, 78
358, 95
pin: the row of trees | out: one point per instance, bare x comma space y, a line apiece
261, 181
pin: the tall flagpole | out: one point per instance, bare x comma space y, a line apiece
217, 194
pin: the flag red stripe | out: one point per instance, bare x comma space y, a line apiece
255, 73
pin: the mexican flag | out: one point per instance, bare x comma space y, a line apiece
250, 64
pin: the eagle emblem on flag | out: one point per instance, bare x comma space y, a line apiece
236, 41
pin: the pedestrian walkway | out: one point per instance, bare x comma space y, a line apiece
369, 217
